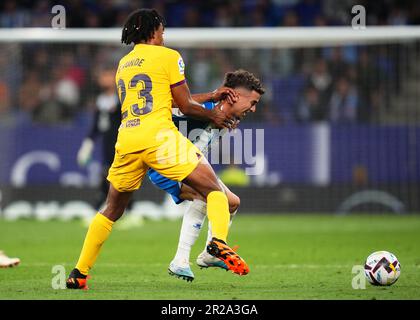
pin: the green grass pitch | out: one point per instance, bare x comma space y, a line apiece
290, 257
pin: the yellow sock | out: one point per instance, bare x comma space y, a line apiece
98, 232
218, 214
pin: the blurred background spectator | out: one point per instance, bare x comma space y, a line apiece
310, 107
343, 103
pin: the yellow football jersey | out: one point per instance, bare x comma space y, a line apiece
144, 79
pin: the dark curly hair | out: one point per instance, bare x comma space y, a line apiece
141, 25
245, 79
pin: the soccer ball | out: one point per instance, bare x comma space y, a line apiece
382, 268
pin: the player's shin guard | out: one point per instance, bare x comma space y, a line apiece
98, 232
190, 230
218, 214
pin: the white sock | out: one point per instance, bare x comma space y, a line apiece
191, 226
209, 233
209, 236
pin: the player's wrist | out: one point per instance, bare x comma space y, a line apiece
212, 115
212, 96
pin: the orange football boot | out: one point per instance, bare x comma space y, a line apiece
76, 280
219, 249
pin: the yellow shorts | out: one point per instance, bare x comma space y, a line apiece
175, 158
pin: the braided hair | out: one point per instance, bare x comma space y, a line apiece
141, 25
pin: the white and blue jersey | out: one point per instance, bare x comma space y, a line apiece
202, 141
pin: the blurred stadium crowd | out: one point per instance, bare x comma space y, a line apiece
210, 13
51, 83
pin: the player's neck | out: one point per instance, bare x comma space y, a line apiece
151, 42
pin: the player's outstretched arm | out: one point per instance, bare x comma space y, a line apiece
182, 98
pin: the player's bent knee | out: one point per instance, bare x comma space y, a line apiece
234, 202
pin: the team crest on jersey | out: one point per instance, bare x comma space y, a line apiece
181, 66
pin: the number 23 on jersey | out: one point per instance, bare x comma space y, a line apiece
141, 85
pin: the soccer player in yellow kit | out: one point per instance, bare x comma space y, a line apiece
150, 79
